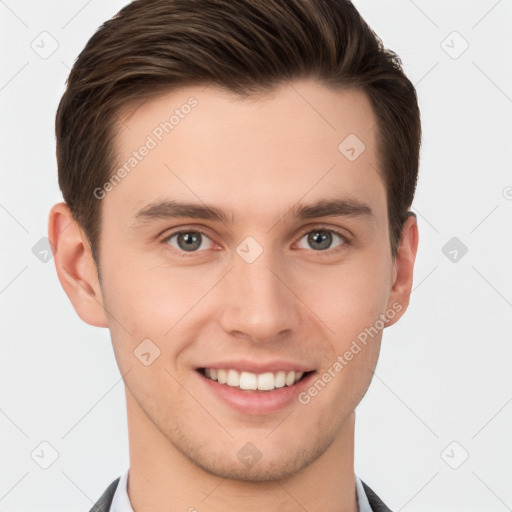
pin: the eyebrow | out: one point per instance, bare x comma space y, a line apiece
170, 209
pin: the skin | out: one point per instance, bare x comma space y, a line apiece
256, 157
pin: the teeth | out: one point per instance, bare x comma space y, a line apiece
247, 380
280, 379
266, 381
222, 376
233, 378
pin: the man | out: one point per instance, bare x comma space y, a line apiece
237, 179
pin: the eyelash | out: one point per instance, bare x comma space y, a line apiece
343, 237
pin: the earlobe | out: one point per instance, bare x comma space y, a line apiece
75, 266
404, 268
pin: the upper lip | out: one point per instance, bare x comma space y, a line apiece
245, 365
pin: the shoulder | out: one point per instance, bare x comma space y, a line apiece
103, 504
375, 502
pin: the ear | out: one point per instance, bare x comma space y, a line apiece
403, 269
75, 266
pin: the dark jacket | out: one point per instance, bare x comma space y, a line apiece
103, 504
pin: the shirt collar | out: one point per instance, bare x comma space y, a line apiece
121, 501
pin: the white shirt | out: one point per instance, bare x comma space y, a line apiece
121, 502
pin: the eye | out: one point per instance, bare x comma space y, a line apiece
189, 241
321, 238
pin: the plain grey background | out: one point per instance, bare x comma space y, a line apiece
434, 430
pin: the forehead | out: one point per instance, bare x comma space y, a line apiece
300, 142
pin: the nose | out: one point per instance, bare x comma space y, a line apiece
258, 301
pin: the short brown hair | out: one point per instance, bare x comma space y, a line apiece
244, 46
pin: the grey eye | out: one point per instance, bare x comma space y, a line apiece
321, 239
189, 241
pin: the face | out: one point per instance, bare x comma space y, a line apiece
251, 236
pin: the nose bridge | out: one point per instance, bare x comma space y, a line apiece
258, 305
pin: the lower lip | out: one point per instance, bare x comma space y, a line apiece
254, 401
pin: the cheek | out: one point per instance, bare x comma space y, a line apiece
349, 306
346, 297
151, 296
152, 302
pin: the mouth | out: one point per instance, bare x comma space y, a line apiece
256, 382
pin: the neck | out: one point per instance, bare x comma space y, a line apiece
162, 478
